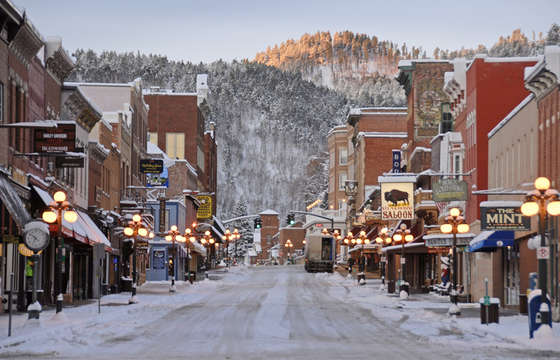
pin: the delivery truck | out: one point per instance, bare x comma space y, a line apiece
319, 253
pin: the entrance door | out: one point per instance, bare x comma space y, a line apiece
159, 264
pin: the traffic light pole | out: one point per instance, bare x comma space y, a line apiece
313, 214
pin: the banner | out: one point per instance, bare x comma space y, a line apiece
397, 200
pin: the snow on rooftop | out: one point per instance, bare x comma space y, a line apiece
381, 134
510, 59
500, 203
512, 113
269, 212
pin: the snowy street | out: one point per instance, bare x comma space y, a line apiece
263, 312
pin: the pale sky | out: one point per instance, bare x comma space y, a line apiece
236, 29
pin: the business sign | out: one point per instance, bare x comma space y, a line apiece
151, 166
55, 140
205, 209
438, 242
503, 218
397, 201
449, 190
69, 162
396, 161
160, 179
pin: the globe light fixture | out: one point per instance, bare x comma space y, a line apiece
59, 196
49, 216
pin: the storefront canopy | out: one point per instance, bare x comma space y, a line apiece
446, 240
13, 203
490, 240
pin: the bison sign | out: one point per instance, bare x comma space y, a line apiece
397, 200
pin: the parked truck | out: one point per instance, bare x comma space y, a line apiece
319, 253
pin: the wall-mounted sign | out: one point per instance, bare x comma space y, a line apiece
396, 161
69, 162
151, 166
397, 200
450, 190
436, 242
503, 217
55, 140
205, 209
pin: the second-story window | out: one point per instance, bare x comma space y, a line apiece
342, 156
153, 138
175, 145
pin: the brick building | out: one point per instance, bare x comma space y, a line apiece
296, 235
373, 133
337, 140
494, 86
270, 226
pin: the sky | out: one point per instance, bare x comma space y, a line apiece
208, 30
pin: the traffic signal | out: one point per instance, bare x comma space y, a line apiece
258, 223
291, 219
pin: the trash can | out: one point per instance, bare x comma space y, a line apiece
126, 284
391, 286
489, 310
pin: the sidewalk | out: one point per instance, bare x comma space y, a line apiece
343, 270
426, 315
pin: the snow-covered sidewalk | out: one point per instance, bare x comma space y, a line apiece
424, 315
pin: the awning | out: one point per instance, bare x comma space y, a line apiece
399, 247
94, 235
490, 240
365, 247
13, 203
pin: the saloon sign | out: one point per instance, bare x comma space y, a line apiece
397, 198
503, 215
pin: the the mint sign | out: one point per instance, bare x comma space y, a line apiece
504, 218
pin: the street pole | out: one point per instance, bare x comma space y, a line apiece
543, 266
60, 260
454, 290
403, 262
133, 296
173, 255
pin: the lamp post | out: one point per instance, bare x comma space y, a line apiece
58, 209
542, 201
288, 245
348, 240
207, 241
134, 229
403, 235
172, 235
236, 237
381, 239
228, 237
191, 239
454, 225
361, 241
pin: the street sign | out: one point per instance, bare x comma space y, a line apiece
69, 162
58, 139
543, 253
450, 190
151, 166
403, 260
486, 300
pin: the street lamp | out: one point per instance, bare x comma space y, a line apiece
288, 245
454, 225
207, 241
236, 237
383, 238
403, 235
542, 201
172, 235
134, 229
57, 210
362, 240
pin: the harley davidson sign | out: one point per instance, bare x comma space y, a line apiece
397, 201
58, 139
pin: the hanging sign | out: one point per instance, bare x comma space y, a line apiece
499, 215
397, 200
450, 190
396, 161
58, 139
205, 209
151, 166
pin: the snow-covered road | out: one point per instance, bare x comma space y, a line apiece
256, 313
